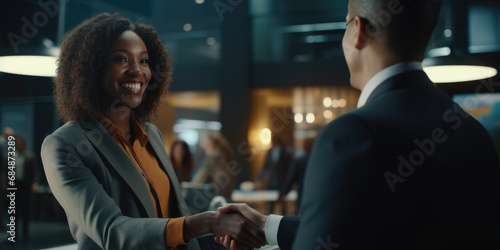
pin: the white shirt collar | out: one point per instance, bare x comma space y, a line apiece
383, 75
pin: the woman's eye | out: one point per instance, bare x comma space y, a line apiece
120, 59
145, 61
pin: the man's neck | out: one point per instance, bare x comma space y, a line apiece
375, 63
385, 74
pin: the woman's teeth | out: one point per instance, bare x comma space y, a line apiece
133, 86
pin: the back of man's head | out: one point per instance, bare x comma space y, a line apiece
403, 26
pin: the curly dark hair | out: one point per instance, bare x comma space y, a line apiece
78, 91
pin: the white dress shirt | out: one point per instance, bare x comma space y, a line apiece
273, 221
385, 74
271, 230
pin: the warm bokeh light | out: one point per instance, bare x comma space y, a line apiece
187, 27
199, 1
342, 103
335, 103
265, 135
327, 102
298, 118
210, 40
459, 73
310, 118
327, 114
29, 65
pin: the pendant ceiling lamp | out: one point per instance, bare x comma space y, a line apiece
30, 52
29, 65
452, 69
463, 42
38, 60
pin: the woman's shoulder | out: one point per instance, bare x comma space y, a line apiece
68, 135
69, 131
68, 127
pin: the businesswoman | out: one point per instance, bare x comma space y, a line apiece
107, 165
217, 167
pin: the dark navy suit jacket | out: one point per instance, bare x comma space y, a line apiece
409, 170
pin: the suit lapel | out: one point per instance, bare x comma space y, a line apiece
157, 144
114, 154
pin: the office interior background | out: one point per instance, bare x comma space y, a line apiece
244, 68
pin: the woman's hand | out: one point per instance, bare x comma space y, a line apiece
249, 213
232, 224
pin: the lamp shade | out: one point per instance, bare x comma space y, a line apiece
29, 46
462, 31
31, 65
459, 73
449, 69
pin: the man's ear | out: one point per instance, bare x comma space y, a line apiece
360, 35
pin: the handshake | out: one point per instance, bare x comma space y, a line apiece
240, 227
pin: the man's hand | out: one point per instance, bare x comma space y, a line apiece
249, 213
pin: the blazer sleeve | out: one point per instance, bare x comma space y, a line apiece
341, 176
87, 204
286, 231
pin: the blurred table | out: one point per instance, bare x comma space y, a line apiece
264, 198
268, 247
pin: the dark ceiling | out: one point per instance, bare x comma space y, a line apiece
293, 42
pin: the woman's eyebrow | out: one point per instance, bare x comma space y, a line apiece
126, 51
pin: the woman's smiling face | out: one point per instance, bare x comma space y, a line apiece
126, 71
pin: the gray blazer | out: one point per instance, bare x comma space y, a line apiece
107, 202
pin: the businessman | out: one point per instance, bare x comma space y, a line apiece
409, 169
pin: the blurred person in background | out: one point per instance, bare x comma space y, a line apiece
25, 183
4, 139
276, 164
296, 173
107, 165
182, 160
6, 132
218, 166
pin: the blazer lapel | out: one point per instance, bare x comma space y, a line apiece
107, 146
157, 144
